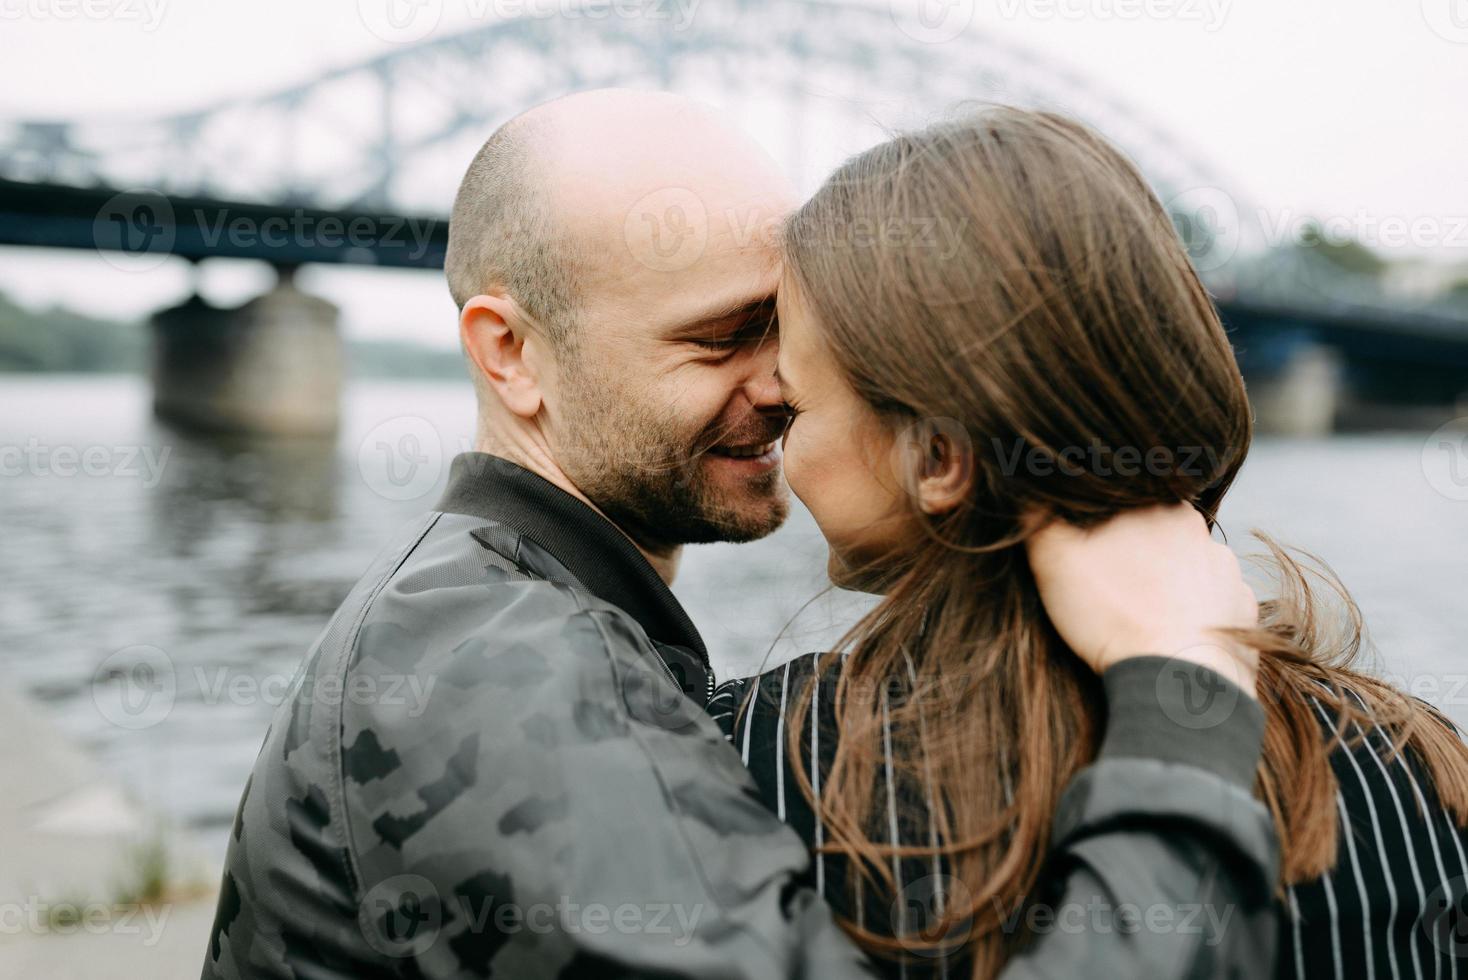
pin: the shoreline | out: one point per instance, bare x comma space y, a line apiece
93, 885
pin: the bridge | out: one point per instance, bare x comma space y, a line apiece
359, 166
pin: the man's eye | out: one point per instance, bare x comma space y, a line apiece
749, 335
720, 343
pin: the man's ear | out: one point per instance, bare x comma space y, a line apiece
495, 332
936, 456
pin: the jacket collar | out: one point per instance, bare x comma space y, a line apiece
601, 557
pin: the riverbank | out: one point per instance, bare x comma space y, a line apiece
92, 886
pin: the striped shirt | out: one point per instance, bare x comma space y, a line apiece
1393, 906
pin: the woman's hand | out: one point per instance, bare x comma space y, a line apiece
1148, 581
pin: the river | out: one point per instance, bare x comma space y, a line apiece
201, 571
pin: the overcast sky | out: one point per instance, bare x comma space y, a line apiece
1342, 108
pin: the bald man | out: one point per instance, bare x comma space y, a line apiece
557, 802
613, 257
496, 761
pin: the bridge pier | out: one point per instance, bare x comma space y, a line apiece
1302, 396
271, 367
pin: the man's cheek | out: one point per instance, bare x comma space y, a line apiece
699, 425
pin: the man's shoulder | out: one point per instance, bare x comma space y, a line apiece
469, 692
478, 626
443, 710
469, 607
466, 572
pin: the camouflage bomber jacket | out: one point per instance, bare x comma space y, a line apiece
495, 762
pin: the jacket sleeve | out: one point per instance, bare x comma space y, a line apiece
1163, 864
562, 810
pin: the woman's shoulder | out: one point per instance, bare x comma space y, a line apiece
798, 670
770, 693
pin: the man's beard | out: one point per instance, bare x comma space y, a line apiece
647, 473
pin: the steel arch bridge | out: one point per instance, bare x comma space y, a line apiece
814, 80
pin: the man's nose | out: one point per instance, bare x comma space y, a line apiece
761, 388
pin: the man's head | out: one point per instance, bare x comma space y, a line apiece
613, 257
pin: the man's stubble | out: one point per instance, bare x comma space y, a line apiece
646, 470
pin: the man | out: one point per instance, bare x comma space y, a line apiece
562, 805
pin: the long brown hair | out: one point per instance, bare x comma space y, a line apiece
1011, 276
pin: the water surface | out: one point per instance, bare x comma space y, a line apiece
129, 544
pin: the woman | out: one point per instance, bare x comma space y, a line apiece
986, 327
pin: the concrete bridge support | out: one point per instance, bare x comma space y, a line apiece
271, 367
1302, 397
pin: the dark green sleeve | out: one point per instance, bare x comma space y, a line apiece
1162, 862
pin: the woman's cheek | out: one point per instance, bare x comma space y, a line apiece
816, 467
796, 464
808, 470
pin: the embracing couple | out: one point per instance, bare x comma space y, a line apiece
1066, 741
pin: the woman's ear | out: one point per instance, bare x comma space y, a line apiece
948, 474
937, 460
496, 337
